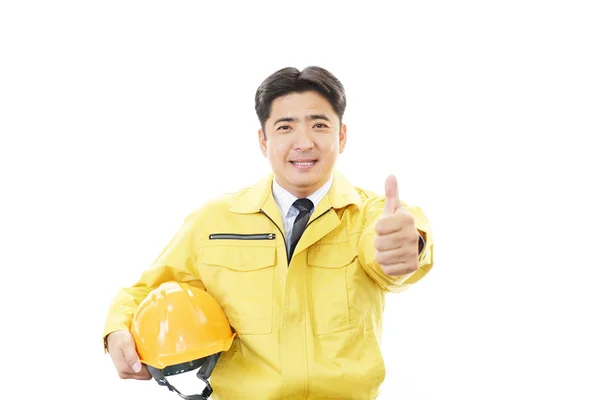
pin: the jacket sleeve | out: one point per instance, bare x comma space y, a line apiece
373, 208
175, 263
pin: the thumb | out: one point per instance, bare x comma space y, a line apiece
132, 357
391, 196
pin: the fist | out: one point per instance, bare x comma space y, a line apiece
397, 238
121, 348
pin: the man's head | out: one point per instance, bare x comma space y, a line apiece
302, 133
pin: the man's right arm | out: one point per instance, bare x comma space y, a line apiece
175, 263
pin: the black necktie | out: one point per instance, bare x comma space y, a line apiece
305, 206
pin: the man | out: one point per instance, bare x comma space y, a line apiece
300, 262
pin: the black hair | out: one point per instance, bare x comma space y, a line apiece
291, 80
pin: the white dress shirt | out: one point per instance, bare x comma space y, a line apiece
285, 199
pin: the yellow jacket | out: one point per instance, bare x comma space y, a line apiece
310, 330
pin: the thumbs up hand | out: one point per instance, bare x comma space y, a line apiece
397, 238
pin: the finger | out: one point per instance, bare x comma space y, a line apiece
391, 257
125, 371
398, 269
131, 356
390, 241
391, 195
388, 225
143, 375
395, 240
403, 254
401, 220
123, 368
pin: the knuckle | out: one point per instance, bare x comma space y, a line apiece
407, 218
412, 267
379, 227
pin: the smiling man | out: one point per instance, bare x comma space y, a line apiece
303, 143
300, 262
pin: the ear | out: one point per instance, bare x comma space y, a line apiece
342, 138
262, 141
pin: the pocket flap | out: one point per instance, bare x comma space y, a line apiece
244, 258
334, 255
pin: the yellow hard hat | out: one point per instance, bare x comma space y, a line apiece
178, 328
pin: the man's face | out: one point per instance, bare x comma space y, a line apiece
304, 138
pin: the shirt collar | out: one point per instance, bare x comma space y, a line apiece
260, 195
285, 199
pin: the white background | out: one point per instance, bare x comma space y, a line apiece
118, 118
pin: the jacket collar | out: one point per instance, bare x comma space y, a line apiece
341, 194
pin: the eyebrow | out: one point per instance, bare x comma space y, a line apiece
311, 117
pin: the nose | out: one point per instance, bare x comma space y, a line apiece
304, 140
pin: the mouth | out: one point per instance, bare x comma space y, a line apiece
303, 164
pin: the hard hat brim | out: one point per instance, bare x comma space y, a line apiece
165, 360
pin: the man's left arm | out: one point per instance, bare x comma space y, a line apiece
396, 245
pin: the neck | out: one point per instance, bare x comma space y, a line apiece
300, 192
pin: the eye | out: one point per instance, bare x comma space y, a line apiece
321, 126
284, 128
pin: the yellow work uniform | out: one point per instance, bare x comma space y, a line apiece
307, 330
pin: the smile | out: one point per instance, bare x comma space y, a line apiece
303, 164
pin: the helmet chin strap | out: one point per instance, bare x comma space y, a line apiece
203, 374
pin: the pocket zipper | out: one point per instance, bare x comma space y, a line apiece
242, 236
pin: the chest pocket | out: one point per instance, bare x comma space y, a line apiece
241, 280
330, 267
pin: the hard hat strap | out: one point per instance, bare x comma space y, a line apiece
207, 368
160, 378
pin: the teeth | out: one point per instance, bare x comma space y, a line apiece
304, 162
